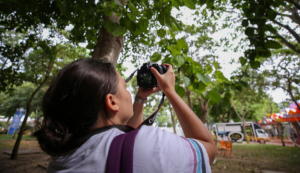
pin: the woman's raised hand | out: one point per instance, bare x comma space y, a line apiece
144, 93
166, 82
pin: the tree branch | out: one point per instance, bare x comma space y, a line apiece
288, 44
3, 65
287, 27
245, 111
295, 16
297, 5
200, 101
289, 90
235, 110
108, 46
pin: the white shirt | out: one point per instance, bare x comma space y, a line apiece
155, 150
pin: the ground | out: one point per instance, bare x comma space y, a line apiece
25, 163
247, 158
259, 158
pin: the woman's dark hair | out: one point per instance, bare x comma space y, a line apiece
73, 103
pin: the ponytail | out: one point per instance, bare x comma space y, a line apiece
73, 103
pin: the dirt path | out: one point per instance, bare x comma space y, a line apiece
247, 158
25, 163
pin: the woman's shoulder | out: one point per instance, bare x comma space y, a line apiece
96, 142
167, 151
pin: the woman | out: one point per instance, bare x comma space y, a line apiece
87, 95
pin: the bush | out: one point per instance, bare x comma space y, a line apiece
28, 127
4, 131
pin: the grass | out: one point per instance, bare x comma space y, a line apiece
10, 137
258, 157
6, 142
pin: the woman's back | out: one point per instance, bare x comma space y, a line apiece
155, 150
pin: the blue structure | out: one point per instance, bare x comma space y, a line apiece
15, 122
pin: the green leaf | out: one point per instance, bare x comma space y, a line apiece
177, 60
161, 33
263, 52
245, 23
270, 28
200, 88
131, 16
249, 31
204, 78
250, 54
108, 12
173, 50
90, 46
131, 25
186, 81
167, 60
155, 57
118, 3
242, 83
202, 2
221, 78
214, 96
176, 26
180, 91
243, 60
228, 95
176, 5
143, 25
117, 30
148, 14
172, 35
270, 44
190, 4
215, 65
209, 3
208, 68
255, 64
177, 81
271, 14
181, 43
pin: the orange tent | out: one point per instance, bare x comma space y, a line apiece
293, 115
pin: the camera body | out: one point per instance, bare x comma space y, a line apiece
145, 78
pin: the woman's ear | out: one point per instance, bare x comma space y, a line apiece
111, 103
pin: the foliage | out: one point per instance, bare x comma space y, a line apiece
155, 31
10, 102
283, 72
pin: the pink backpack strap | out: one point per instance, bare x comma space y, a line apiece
120, 155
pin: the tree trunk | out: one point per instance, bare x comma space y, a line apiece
281, 133
204, 108
173, 119
242, 119
188, 96
293, 137
222, 116
229, 117
36, 120
289, 90
15, 133
14, 153
245, 133
108, 46
7, 123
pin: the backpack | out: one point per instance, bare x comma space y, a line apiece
120, 155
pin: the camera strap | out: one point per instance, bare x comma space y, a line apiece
130, 77
150, 120
79, 141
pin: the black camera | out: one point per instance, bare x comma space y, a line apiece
145, 78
